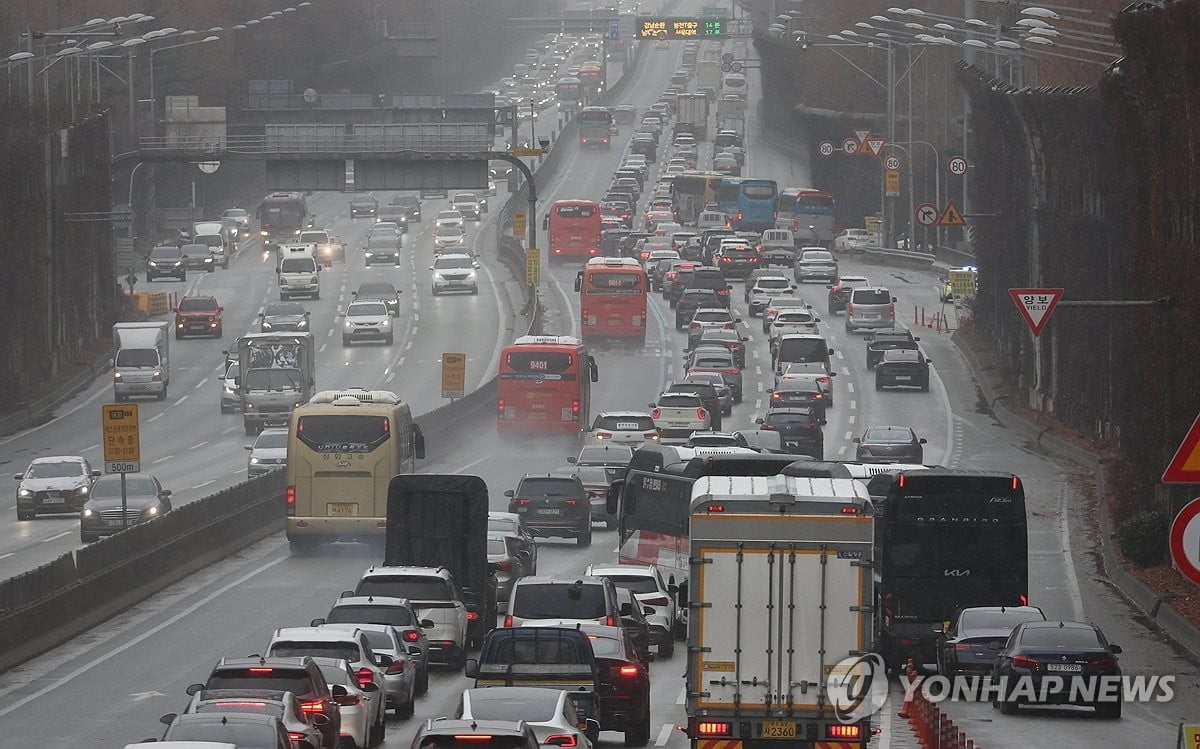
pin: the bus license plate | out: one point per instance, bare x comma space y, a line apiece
549, 511
538, 415
779, 729
342, 508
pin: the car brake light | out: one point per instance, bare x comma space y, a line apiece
892, 310
311, 707
768, 426
849, 510
472, 616
1024, 661
364, 676
500, 405
1024, 599
1103, 663
412, 635
701, 413
656, 413
348, 700
563, 739
610, 620
505, 566
240, 703
714, 728
508, 620
262, 670
397, 667
695, 324
843, 730
289, 502
296, 736
473, 737
571, 502
628, 671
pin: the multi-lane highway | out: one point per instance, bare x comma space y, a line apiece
109, 686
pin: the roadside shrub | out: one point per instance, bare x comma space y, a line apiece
1143, 537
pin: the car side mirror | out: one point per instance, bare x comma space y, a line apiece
168, 719
917, 338
545, 222
856, 439
571, 459
893, 299
337, 690
759, 420
346, 594
822, 422
193, 689
939, 628
316, 622
1115, 649
251, 447
471, 668
833, 374
509, 493
929, 361
431, 267
830, 352
166, 492
921, 441
96, 474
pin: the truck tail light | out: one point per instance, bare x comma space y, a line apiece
843, 731
508, 620
500, 406
628, 671
714, 728
289, 500
701, 413
892, 310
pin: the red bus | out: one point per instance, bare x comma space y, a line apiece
573, 228
612, 298
545, 386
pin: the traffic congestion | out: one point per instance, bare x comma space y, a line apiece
731, 474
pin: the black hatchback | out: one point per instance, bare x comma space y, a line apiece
711, 278
903, 368
553, 506
799, 430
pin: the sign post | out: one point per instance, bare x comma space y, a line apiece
1035, 305
454, 375
1185, 541
122, 446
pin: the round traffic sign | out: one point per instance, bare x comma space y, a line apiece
727, 57
849, 146
958, 165
1185, 541
726, 67
735, 67
892, 163
310, 95
826, 148
927, 214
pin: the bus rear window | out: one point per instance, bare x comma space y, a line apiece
343, 433
539, 362
822, 204
575, 211
615, 280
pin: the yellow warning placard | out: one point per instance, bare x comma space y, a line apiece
963, 283
454, 375
951, 216
121, 439
891, 182
519, 224
533, 267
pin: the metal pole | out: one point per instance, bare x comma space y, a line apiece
888, 229
153, 106
124, 504
132, 104
912, 220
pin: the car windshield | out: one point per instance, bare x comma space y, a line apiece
271, 440
366, 309
295, 681
888, 434
789, 417
195, 304
547, 487
110, 486
559, 601
530, 707
137, 357
634, 583
283, 309
397, 616
449, 215
165, 253
319, 237
793, 318
996, 619
679, 401
713, 362
347, 651
54, 469
234, 213
1063, 638
415, 588
453, 261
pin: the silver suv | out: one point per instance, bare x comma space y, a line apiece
870, 307
437, 598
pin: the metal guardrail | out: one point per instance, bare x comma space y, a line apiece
263, 145
919, 258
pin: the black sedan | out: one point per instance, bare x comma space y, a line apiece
623, 685
799, 430
903, 367
977, 634
1074, 652
889, 444
796, 393
380, 292
102, 515
282, 316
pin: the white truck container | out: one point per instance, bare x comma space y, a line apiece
781, 593
216, 235
276, 372
708, 76
693, 108
142, 365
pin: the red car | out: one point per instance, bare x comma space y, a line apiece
198, 315
623, 684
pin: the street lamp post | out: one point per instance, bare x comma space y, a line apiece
131, 45
156, 50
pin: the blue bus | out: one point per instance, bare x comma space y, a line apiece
750, 204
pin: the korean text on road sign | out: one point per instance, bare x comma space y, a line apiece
122, 441
1035, 305
454, 375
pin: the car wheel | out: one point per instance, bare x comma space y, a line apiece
475, 291
878, 384
666, 648
423, 681
178, 336
212, 269
378, 730
1109, 710
26, 514
639, 735
849, 330
1007, 706
925, 388
389, 340
586, 538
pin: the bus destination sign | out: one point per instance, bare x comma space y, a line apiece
679, 28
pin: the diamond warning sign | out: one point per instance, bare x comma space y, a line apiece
1035, 305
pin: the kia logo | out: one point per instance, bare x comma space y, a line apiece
956, 573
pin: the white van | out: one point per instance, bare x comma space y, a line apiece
710, 220
214, 235
298, 271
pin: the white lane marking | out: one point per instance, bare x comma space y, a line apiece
758, 370
494, 362
845, 371
163, 459
156, 416
228, 430
853, 404
842, 450
757, 403
682, 696
664, 734
850, 387
7, 554
181, 400
850, 419
206, 483
754, 353
57, 684
408, 346
849, 435
389, 378
761, 388
321, 350
198, 445
462, 469
1072, 580
91, 447
201, 383
47, 539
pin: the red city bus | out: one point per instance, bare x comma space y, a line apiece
612, 298
573, 228
544, 386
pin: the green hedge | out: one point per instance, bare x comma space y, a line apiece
1143, 537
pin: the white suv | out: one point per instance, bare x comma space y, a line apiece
350, 645
455, 271
646, 583
435, 595
677, 415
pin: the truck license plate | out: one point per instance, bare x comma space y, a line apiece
779, 729
342, 508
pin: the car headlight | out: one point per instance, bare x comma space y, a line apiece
471, 276
24, 493
152, 510
157, 375
266, 325
116, 375
349, 325
302, 324
387, 323
152, 264
87, 512
83, 490
254, 461
296, 233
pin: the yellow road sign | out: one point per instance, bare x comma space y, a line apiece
122, 442
454, 375
519, 223
519, 151
951, 216
533, 267
891, 183
963, 283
